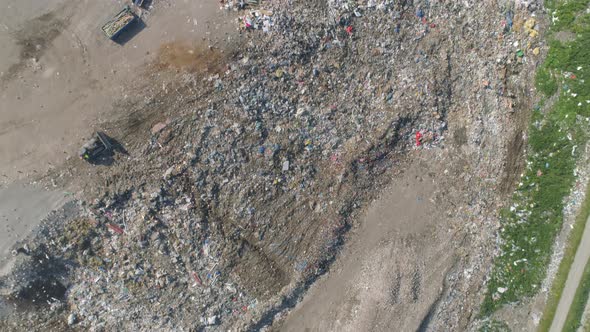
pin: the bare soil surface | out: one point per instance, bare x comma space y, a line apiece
396, 262
21, 209
60, 76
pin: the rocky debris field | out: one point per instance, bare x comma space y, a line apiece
242, 178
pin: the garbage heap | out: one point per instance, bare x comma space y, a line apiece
237, 203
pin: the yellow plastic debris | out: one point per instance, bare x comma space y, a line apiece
279, 73
536, 51
529, 27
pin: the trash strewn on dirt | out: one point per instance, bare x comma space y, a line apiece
222, 217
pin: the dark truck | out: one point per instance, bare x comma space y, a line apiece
119, 23
99, 145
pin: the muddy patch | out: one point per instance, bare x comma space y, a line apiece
190, 58
513, 163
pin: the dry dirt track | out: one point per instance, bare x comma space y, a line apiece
573, 280
21, 209
395, 263
59, 75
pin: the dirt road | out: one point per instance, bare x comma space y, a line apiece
21, 209
395, 263
573, 280
59, 75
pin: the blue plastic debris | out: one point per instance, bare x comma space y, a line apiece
301, 266
509, 20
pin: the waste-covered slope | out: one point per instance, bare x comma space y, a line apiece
243, 194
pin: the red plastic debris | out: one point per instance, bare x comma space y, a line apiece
115, 228
432, 25
247, 23
349, 29
418, 138
573, 76
197, 279
335, 158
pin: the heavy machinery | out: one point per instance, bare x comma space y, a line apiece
121, 21
99, 145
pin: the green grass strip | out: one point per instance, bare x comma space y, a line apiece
558, 285
574, 316
494, 326
531, 223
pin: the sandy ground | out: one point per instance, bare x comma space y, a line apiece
59, 74
21, 209
573, 280
395, 263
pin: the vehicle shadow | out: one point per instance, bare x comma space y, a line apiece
135, 28
146, 4
107, 158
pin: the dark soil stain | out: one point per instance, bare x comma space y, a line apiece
34, 39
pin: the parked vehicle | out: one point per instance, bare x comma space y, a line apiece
119, 23
96, 147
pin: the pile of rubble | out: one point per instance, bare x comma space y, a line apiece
242, 198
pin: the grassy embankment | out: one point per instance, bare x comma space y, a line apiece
556, 137
566, 263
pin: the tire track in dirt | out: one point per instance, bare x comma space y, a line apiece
386, 268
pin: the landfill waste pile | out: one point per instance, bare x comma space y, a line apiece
225, 213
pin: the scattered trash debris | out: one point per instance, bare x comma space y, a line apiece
115, 228
530, 27
257, 20
299, 131
72, 319
158, 127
